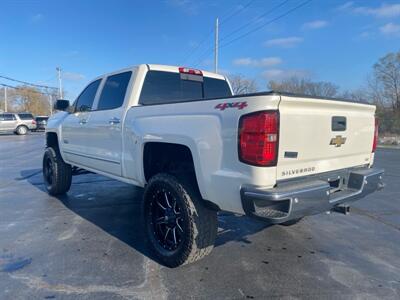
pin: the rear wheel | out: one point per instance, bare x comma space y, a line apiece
21, 130
57, 174
180, 229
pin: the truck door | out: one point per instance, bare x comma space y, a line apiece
75, 147
104, 127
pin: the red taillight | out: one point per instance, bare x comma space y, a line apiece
190, 71
375, 143
258, 138
33, 122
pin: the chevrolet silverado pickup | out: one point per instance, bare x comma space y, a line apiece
197, 149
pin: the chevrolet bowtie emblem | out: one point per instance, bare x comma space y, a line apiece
338, 141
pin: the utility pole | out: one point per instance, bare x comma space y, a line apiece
51, 104
5, 99
59, 82
216, 47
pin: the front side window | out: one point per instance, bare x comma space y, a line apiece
85, 100
114, 90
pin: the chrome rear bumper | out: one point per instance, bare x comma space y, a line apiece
296, 199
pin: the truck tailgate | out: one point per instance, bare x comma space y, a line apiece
318, 135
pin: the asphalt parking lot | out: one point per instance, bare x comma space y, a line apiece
89, 244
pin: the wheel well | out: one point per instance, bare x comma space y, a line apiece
52, 140
167, 158
173, 159
22, 125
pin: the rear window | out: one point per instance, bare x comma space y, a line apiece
165, 87
25, 116
42, 118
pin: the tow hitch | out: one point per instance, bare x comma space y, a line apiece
343, 209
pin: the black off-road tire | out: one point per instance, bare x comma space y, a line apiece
57, 182
199, 223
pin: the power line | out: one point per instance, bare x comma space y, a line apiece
236, 12
267, 23
254, 20
28, 83
19, 88
224, 19
206, 53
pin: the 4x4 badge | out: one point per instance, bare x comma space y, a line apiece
238, 105
338, 141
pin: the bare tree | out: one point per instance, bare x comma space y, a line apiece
359, 95
241, 85
384, 85
304, 86
29, 99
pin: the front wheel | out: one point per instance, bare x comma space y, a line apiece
57, 175
180, 229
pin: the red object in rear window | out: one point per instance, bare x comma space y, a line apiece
190, 71
375, 142
258, 138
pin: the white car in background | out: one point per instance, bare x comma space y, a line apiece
19, 123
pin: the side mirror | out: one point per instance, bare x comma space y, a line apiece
61, 105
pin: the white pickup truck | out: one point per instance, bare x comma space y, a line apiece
197, 149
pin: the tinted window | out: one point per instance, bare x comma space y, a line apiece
7, 117
215, 88
164, 87
25, 116
42, 118
86, 98
114, 90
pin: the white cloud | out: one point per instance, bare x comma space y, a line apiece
317, 24
263, 62
346, 5
279, 74
390, 29
284, 42
384, 11
37, 18
189, 7
73, 76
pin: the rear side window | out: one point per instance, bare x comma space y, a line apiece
7, 117
25, 116
86, 98
114, 90
164, 87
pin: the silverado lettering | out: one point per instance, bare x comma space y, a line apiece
298, 171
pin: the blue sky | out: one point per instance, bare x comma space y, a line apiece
330, 40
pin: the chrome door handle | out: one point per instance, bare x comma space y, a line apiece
83, 121
114, 121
